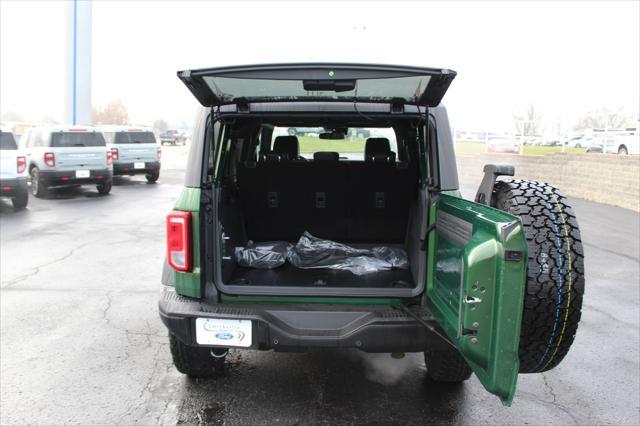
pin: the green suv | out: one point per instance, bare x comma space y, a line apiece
290, 242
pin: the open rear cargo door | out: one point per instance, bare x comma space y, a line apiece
318, 82
475, 285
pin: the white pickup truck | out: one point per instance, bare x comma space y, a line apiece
13, 171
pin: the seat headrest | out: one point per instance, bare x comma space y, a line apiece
287, 147
326, 156
378, 150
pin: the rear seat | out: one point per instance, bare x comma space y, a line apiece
354, 201
379, 192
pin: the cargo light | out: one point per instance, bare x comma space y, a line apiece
22, 164
50, 159
179, 240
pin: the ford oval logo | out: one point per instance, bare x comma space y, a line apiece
223, 335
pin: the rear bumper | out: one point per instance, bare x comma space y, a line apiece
298, 327
59, 178
126, 168
13, 187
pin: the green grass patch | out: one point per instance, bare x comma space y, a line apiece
310, 144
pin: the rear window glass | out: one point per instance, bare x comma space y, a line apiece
7, 141
351, 148
70, 139
374, 89
134, 137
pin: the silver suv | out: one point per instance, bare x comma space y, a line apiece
13, 176
134, 151
67, 155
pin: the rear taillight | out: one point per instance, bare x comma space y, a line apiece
179, 240
22, 164
50, 159
115, 154
109, 158
159, 153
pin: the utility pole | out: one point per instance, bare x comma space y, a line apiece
77, 99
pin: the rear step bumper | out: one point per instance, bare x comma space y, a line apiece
128, 168
68, 177
295, 327
13, 187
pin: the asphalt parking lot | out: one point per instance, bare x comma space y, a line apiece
82, 343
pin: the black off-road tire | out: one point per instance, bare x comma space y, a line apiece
446, 365
152, 177
194, 361
38, 188
555, 272
21, 200
105, 188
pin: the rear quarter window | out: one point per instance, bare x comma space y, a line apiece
70, 139
7, 141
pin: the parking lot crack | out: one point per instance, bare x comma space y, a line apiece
554, 402
36, 269
106, 309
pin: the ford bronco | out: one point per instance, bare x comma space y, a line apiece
286, 242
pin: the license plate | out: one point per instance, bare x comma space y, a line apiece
223, 332
83, 173
138, 165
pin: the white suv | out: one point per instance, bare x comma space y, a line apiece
67, 155
13, 171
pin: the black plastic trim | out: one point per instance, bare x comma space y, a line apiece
292, 327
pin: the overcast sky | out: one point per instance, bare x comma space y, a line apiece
565, 57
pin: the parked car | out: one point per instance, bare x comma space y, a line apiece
550, 142
134, 151
303, 131
13, 171
267, 251
580, 141
623, 143
502, 146
67, 155
173, 137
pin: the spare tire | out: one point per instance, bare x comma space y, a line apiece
555, 272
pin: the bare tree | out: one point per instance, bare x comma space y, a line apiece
115, 112
527, 121
160, 126
604, 117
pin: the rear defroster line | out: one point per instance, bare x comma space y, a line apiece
422, 322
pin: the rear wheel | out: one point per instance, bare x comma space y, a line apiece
623, 150
38, 187
20, 200
555, 272
446, 365
105, 188
195, 361
152, 177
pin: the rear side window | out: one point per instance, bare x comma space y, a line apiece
7, 141
134, 137
70, 139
